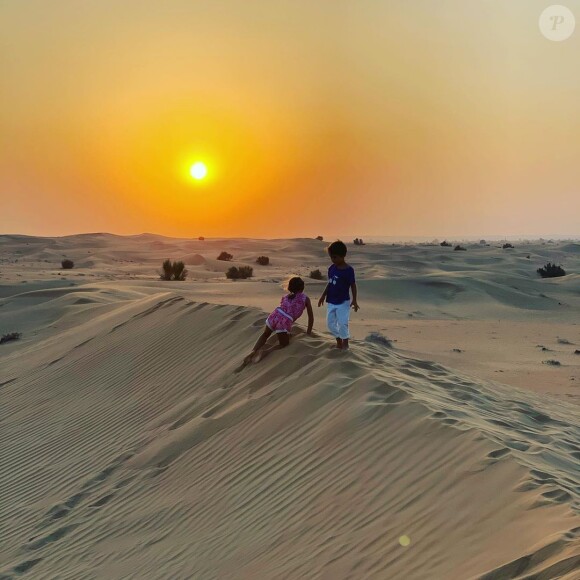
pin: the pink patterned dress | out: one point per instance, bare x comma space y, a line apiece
287, 313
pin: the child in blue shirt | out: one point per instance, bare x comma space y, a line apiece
341, 280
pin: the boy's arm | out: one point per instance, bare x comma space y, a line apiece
354, 303
323, 297
310, 316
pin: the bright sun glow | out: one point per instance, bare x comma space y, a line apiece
198, 170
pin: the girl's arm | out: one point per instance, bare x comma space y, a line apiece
310, 316
323, 297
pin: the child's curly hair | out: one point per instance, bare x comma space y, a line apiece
295, 285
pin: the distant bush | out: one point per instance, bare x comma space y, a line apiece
457, 248
67, 264
555, 363
445, 244
201, 238
551, 271
528, 256
179, 271
173, 270
316, 275
167, 270
239, 273
10, 336
482, 242
225, 257
506, 246
263, 260
319, 238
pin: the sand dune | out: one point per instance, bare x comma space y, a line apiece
487, 302
132, 449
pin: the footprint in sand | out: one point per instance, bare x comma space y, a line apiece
21, 568
37, 543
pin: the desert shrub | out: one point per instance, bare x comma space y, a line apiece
482, 242
167, 270
179, 271
224, 256
201, 238
506, 246
319, 238
316, 275
552, 362
173, 270
67, 264
263, 260
551, 271
577, 351
457, 248
239, 273
445, 244
10, 336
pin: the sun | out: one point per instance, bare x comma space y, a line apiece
198, 170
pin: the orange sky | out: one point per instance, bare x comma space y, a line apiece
374, 117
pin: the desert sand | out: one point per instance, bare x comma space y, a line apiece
132, 448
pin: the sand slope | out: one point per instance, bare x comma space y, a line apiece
133, 449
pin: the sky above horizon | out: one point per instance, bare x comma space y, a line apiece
410, 118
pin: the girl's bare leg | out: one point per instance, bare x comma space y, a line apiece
283, 340
259, 344
263, 339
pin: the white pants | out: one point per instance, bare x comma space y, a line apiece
337, 319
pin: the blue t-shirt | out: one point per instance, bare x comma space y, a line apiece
339, 282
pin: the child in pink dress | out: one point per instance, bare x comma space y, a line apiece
281, 319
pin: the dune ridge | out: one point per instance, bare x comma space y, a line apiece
133, 448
